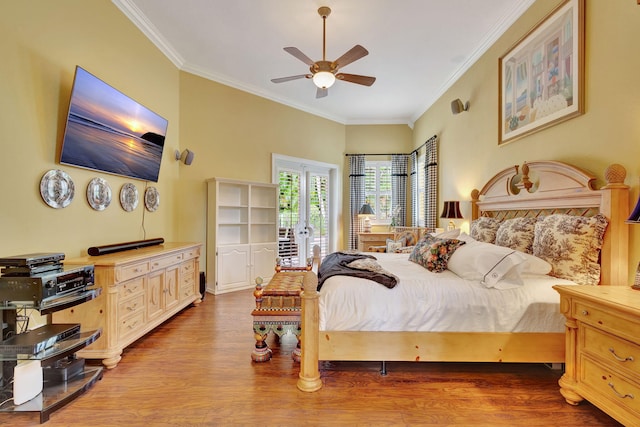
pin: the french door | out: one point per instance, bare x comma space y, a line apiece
304, 217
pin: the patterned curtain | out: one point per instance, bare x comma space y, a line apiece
356, 187
399, 164
414, 188
431, 183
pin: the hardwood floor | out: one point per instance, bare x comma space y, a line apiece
196, 370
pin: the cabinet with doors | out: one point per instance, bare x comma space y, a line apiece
242, 233
141, 288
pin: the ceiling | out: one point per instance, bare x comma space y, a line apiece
417, 48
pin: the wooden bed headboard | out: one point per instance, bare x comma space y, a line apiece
547, 187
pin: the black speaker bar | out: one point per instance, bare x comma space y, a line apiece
119, 247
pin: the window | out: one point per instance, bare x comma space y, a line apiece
421, 191
378, 189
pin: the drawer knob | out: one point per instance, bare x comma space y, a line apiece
585, 313
620, 359
620, 395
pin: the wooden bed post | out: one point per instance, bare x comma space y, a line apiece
475, 198
309, 377
615, 206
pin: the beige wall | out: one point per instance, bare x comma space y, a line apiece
234, 134
372, 139
608, 132
41, 43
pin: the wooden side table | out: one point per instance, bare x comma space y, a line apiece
602, 349
367, 240
278, 309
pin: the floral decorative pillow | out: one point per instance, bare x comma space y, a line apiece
517, 233
571, 244
433, 253
484, 229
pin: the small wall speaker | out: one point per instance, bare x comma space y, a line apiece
458, 107
186, 157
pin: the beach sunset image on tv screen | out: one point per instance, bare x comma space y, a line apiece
110, 132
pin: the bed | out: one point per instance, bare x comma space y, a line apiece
543, 189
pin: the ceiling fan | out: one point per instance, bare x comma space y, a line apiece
324, 73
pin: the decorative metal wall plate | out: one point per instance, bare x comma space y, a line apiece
129, 197
99, 194
151, 199
57, 189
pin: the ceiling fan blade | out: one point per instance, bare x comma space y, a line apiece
321, 93
353, 54
298, 54
288, 79
355, 78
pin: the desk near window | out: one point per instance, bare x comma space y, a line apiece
366, 240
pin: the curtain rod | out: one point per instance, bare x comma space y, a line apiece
393, 154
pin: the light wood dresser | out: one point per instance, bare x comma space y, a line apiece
603, 349
141, 288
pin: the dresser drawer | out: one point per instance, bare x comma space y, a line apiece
164, 262
611, 350
187, 268
131, 305
130, 325
128, 289
606, 320
186, 292
191, 254
614, 387
130, 271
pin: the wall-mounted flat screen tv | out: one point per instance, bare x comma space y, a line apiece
108, 131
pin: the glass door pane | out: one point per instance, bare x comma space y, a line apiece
289, 216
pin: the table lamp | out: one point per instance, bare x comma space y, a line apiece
451, 211
366, 211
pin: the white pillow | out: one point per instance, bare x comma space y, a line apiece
534, 265
531, 265
493, 266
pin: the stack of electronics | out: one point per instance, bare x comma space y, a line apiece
35, 280
41, 277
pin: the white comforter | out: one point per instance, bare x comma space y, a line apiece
425, 301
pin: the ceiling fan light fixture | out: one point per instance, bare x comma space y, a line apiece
324, 79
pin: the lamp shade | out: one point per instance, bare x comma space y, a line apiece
324, 79
634, 218
366, 210
451, 210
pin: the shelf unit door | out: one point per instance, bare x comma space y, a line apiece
263, 260
233, 270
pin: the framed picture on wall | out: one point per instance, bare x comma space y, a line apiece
541, 77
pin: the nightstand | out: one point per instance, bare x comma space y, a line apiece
602, 349
366, 240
